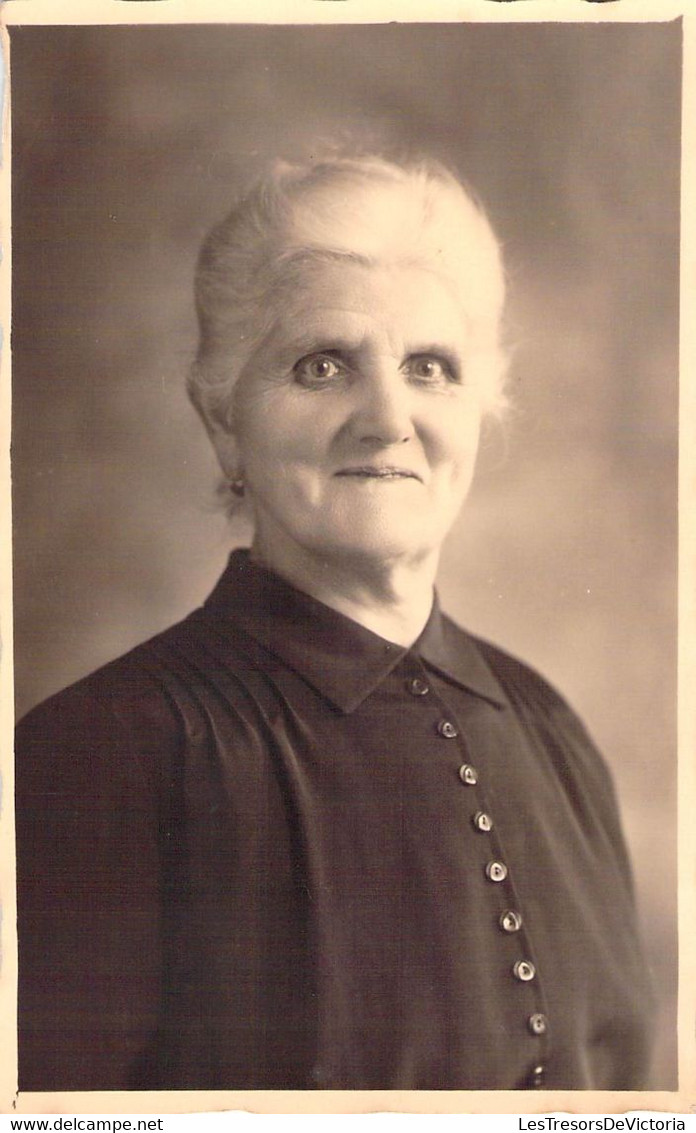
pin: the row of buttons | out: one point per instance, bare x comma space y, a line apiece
510, 921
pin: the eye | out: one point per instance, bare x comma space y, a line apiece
430, 368
317, 370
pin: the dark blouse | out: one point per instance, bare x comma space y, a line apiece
269, 849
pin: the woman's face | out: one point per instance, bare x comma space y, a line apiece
355, 429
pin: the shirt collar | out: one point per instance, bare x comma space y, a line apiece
341, 659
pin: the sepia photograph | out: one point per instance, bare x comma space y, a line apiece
345, 422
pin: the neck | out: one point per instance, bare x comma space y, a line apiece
392, 599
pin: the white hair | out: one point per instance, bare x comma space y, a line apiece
362, 209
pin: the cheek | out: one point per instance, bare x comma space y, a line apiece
453, 437
282, 436
260, 422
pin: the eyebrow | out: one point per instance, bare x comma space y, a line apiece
338, 344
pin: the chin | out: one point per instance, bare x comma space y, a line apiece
380, 546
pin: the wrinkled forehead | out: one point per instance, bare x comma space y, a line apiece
351, 306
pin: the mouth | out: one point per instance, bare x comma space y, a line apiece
379, 472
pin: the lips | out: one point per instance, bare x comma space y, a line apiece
379, 472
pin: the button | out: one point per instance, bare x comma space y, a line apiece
538, 1024
496, 871
447, 729
537, 1076
510, 921
482, 821
418, 687
524, 970
468, 774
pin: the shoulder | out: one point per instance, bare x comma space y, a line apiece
145, 707
545, 715
521, 683
135, 704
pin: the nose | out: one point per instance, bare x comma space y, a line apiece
384, 406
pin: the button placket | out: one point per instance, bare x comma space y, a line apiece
509, 921
525, 975
526, 984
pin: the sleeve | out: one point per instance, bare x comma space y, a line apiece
590, 782
88, 887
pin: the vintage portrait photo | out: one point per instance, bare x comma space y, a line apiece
345, 423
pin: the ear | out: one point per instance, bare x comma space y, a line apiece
224, 442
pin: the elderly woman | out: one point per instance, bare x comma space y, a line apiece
316, 835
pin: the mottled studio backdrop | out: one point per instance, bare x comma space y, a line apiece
130, 142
